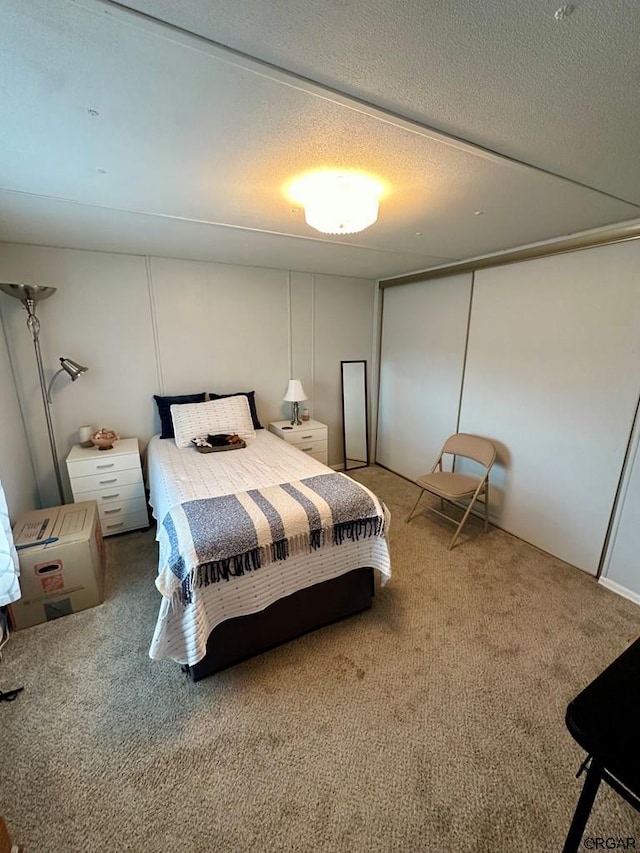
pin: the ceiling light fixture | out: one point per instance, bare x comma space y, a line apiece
337, 202
563, 12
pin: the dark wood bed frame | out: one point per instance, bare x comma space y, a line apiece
287, 618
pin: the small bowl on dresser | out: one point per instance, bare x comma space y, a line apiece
104, 438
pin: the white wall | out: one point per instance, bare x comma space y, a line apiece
145, 326
424, 329
99, 317
550, 374
342, 331
222, 328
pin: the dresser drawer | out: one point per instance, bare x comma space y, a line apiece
307, 436
87, 467
106, 480
109, 494
130, 521
118, 509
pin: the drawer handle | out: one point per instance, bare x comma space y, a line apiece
306, 437
108, 497
306, 449
106, 482
110, 465
112, 511
119, 524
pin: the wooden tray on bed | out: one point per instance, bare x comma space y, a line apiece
237, 445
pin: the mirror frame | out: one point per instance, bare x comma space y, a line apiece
363, 362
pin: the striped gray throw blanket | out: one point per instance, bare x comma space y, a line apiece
214, 539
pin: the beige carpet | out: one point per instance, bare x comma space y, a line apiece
433, 722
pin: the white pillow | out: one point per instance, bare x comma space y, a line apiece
230, 415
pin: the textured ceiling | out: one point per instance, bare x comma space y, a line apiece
563, 95
193, 143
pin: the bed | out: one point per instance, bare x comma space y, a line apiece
215, 613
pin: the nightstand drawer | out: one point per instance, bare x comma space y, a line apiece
313, 447
87, 467
119, 509
310, 437
106, 480
108, 494
131, 521
307, 436
112, 478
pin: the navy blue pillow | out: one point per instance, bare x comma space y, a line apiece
164, 409
250, 395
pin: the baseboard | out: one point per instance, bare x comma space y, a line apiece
621, 590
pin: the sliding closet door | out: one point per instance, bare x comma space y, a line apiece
552, 375
423, 339
622, 566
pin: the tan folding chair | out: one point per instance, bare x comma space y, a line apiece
452, 487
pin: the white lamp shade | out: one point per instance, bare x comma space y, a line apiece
295, 392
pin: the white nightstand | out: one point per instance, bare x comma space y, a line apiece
310, 437
113, 478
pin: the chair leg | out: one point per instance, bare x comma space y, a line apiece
461, 525
486, 509
415, 507
583, 809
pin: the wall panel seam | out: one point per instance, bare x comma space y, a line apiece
290, 324
466, 351
25, 431
154, 323
313, 341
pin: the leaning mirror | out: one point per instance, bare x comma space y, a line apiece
355, 426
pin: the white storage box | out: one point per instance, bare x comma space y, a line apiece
65, 575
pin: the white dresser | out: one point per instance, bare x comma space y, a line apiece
113, 478
310, 437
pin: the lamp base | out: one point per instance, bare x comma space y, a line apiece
295, 420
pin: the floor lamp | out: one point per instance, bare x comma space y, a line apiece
30, 295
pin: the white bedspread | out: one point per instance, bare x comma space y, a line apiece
9, 565
176, 476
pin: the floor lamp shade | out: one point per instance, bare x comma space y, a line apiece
24, 292
72, 368
69, 366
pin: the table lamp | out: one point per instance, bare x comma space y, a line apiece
295, 394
